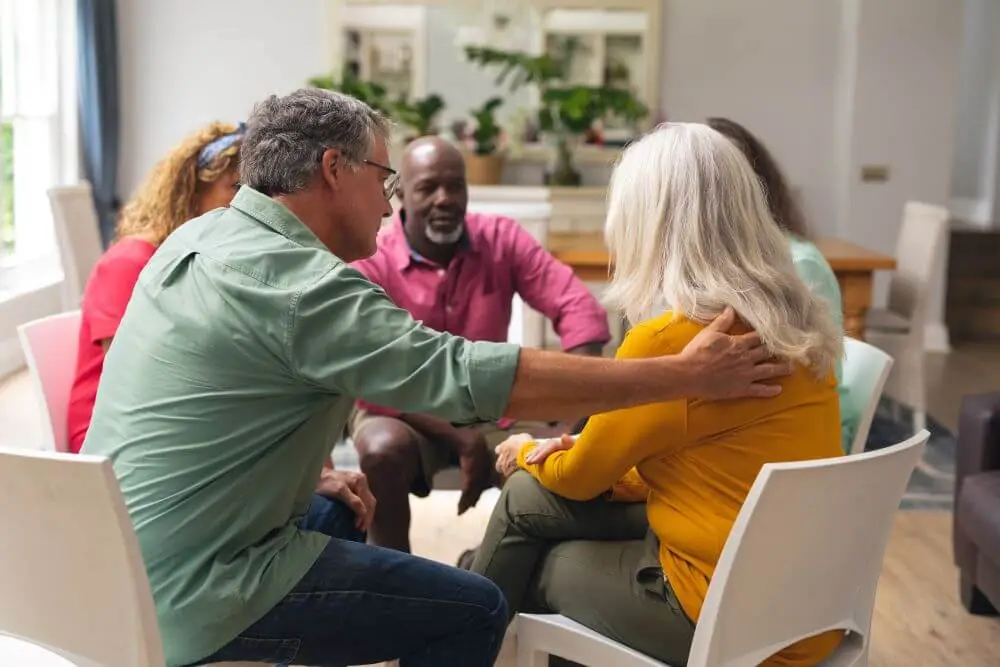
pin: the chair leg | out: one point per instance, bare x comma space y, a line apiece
528, 656
973, 599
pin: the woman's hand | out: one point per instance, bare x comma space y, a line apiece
538, 455
507, 452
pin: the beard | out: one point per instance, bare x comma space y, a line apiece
444, 238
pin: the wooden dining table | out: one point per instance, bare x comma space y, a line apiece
854, 266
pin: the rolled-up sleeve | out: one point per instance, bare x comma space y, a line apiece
347, 336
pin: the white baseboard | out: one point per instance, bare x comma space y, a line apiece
971, 210
936, 338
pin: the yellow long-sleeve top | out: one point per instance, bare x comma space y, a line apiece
693, 462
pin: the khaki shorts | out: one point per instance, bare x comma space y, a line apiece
438, 462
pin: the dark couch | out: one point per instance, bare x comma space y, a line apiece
977, 503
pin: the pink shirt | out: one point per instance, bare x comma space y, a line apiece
105, 297
471, 297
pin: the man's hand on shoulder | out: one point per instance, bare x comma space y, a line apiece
722, 366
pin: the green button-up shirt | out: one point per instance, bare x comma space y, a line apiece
234, 369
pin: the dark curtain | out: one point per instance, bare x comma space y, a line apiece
97, 46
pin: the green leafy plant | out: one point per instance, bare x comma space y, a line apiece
566, 110
419, 115
487, 133
372, 94
517, 68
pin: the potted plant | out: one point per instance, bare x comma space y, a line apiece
567, 111
418, 115
484, 164
372, 94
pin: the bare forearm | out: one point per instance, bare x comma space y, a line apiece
550, 385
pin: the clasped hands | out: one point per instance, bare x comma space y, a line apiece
508, 450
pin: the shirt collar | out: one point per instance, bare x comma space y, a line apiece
403, 254
275, 215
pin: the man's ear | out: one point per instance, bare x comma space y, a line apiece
332, 167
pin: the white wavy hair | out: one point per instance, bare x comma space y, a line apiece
688, 225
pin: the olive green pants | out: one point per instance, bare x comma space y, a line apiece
596, 562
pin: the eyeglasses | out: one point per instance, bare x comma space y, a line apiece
391, 182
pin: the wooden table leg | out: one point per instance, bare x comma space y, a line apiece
856, 291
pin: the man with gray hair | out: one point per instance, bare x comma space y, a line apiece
244, 346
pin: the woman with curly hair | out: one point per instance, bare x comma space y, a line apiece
198, 175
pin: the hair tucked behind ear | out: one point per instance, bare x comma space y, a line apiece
168, 197
688, 226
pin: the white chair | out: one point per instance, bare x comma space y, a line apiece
50, 347
899, 328
71, 573
78, 235
806, 548
864, 373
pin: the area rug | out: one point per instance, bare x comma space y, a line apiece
932, 484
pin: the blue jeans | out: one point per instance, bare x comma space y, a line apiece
362, 604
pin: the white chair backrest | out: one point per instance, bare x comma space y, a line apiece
50, 347
919, 253
78, 235
807, 548
865, 371
71, 573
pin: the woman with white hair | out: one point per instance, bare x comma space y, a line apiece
622, 531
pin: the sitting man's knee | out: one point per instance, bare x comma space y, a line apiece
491, 601
385, 448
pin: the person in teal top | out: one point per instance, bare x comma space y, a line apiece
245, 344
810, 264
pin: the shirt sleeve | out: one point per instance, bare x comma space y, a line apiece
551, 288
347, 337
108, 292
612, 443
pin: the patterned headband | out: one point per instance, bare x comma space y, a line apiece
214, 149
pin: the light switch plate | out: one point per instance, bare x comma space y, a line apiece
874, 173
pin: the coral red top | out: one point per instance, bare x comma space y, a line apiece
104, 300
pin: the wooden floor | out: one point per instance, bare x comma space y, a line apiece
918, 620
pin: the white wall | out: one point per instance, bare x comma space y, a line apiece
829, 85
977, 129
908, 54
973, 110
185, 63
770, 65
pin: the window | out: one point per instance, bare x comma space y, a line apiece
37, 121
386, 44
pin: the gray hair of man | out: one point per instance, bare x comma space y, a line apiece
287, 136
688, 225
